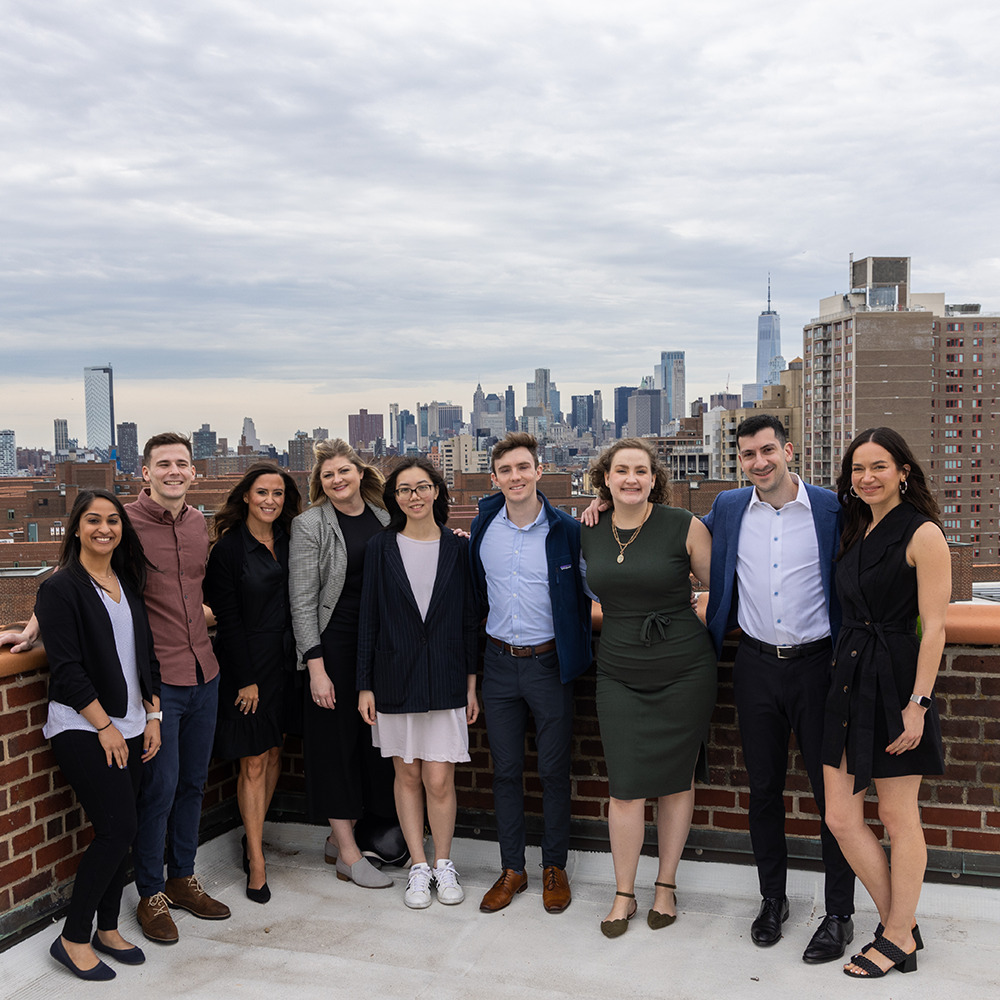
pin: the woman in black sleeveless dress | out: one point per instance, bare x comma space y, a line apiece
881, 719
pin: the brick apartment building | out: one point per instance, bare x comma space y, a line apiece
884, 355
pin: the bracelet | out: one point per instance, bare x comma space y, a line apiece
101, 730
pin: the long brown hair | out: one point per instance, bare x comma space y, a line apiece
372, 481
856, 514
234, 509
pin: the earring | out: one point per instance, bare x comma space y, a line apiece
853, 492
903, 487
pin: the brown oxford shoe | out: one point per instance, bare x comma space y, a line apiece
556, 895
155, 920
189, 894
504, 890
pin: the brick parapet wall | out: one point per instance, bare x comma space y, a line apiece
43, 830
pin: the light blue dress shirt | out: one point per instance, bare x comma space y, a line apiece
517, 581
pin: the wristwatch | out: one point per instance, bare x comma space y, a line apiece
159, 716
920, 699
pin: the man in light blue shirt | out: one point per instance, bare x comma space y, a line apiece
525, 558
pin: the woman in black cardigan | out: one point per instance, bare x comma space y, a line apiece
246, 585
417, 666
104, 712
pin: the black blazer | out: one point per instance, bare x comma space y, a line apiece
410, 664
80, 645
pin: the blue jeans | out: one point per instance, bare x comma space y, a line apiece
173, 783
513, 686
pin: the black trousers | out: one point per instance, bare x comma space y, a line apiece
774, 698
108, 796
513, 686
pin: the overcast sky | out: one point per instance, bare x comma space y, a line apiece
292, 210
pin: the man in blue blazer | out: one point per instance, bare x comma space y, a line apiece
773, 550
525, 561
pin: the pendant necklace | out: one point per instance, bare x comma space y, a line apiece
618, 541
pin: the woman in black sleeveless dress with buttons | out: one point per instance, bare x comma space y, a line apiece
881, 720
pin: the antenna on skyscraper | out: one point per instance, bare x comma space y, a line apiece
768, 291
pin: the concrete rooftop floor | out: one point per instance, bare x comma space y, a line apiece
320, 937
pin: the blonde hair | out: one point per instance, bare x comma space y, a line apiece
371, 479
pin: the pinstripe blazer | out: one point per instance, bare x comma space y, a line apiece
416, 664
317, 568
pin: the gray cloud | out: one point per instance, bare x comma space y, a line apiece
312, 208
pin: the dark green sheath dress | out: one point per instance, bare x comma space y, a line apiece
656, 669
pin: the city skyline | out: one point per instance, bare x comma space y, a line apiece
343, 207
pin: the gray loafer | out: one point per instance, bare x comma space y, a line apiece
364, 874
330, 852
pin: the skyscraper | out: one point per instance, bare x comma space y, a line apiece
203, 442
8, 454
670, 378
510, 414
128, 448
250, 434
768, 340
769, 361
622, 393
61, 429
99, 393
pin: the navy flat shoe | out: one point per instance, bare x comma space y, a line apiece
99, 973
127, 956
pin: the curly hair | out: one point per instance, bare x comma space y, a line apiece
234, 509
397, 519
857, 515
602, 466
372, 480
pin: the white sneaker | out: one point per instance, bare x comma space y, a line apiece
448, 889
418, 887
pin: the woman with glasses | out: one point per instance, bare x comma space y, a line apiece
416, 679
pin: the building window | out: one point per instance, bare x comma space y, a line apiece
11, 515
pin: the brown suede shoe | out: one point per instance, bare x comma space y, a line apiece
188, 894
155, 920
504, 890
555, 889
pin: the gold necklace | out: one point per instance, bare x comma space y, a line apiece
618, 541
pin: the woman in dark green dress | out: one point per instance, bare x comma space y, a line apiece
656, 670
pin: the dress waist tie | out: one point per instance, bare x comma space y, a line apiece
881, 676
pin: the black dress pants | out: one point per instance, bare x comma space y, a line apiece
774, 698
108, 796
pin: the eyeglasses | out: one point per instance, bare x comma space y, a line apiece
422, 490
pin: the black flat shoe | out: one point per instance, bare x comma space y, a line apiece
127, 956
654, 918
98, 974
616, 928
766, 928
261, 895
830, 941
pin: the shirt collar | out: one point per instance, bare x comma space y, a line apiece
502, 516
801, 496
151, 507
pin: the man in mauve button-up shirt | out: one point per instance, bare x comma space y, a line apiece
175, 541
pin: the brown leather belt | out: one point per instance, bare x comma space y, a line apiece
520, 651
